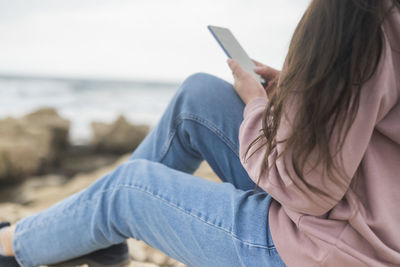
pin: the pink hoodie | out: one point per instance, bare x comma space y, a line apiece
345, 226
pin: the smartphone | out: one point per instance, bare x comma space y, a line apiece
233, 49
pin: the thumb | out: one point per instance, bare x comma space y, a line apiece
235, 67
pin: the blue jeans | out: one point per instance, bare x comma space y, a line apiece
155, 198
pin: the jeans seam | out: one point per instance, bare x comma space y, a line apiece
209, 125
139, 188
20, 233
16, 248
76, 208
151, 194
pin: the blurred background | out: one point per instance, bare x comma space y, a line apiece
95, 59
83, 81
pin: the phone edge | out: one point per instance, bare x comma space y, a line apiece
218, 41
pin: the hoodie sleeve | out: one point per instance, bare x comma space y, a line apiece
377, 97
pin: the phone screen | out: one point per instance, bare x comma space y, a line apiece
233, 49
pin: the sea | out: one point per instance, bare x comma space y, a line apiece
83, 101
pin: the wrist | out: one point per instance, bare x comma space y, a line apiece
261, 95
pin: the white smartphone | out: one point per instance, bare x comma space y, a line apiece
233, 49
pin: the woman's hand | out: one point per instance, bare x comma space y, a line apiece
246, 84
265, 71
270, 75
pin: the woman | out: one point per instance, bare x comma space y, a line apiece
320, 147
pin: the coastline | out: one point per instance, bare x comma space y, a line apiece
85, 100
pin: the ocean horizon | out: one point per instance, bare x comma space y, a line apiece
85, 100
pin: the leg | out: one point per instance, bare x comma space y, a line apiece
6, 237
201, 122
196, 221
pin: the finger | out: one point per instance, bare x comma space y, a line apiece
235, 67
263, 70
258, 64
266, 72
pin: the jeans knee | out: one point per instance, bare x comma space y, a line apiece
137, 164
127, 172
203, 87
199, 77
139, 173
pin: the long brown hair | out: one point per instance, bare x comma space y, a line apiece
335, 49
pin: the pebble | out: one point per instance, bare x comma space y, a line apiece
157, 256
137, 249
142, 264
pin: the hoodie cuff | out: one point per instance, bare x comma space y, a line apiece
253, 104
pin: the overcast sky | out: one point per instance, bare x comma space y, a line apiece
139, 39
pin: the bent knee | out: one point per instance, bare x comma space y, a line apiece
200, 86
131, 168
200, 77
135, 164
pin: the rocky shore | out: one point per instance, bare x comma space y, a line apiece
38, 167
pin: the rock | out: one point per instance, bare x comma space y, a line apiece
118, 137
174, 263
40, 197
82, 158
137, 249
205, 171
156, 256
10, 212
27, 191
178, 264
30, 144
21, 149
142, 264
49, 119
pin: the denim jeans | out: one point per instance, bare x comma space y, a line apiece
154, 196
